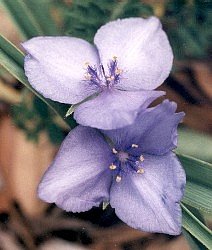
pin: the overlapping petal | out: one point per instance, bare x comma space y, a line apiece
142, 49
154, 130
55, 66
79, 178
114, 108
150, 202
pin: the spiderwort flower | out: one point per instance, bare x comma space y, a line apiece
136, 171
116, 76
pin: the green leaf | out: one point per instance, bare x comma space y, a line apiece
196, 228
198, 187
198, 196
105, 204
55, 133
85, 17
10, 59
196, 144
11, 51
41, 10
191, 240
196, 170
31, 17
23, 18
70, 110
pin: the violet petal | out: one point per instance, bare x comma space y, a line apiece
55, 66
154, 130
142, 49
114, 108
150, 201
79, 178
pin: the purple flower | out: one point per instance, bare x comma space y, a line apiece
116, 76
134, 170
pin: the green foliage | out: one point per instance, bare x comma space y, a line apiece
194, 143
34, 116
196, 228
32, 18
182, 20
199, 186
188, 24
83, 18
197, 197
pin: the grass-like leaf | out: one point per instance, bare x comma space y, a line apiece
196, 227
198, 196
31, 17
197, 171
11, 51
198, 187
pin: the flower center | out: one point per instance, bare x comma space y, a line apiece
126, 162
97, 76
122, 156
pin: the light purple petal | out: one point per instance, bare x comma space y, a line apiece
79, 178
113, 108
142, 49
150, 201
154, 130
55, 67
160, 135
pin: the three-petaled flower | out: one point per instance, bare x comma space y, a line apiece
134, 170
112, 79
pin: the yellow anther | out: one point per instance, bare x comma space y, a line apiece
114, 58
118, 71
114, 151
118, 178
134, 145
140, 171
112, 166
87, 63
141, 158
111, 78
87, 76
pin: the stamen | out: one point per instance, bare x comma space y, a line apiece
112, 166
134, 146
118, 178
114, 151
114, 58
87, 76
118, 71
141, 158
110, 78
140, 171
103, 70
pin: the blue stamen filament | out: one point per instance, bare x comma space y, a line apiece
98, 76
126, 163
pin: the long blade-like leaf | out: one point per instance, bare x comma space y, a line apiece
23, 18
198, 187
31, 17
12, 51
198, 196
196, 228
42, 13
196, 170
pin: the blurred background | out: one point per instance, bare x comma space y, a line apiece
30, 133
